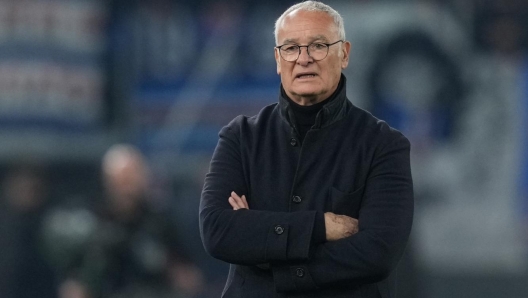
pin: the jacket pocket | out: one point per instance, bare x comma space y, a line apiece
346, 203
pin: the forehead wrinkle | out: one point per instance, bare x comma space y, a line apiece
311, 39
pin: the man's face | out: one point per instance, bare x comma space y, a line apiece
126, 181
307, 81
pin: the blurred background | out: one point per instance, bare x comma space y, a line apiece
79, 76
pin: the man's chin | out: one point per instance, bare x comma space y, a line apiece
306, 92
307, 96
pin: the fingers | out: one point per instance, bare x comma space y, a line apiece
233, 203
350, 224
340, 226
241, 200
238, 202
245, 202
355, 223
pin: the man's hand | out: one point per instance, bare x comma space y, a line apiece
339, 226
238, 202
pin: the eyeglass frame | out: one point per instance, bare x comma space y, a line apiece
307, 49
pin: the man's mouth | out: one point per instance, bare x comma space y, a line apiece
306, 75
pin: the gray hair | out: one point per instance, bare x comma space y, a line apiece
313, 6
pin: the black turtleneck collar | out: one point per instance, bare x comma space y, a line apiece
302, 118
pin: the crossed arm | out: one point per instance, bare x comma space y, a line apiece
348, 257
336, 226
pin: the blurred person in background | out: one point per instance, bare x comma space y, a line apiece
134, 250
24, 270
312, 197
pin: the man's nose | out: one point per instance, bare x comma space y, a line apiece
304, 57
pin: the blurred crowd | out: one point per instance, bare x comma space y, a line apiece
118, 217
124, 245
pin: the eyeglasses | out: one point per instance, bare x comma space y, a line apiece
316, 50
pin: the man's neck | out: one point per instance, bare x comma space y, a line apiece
307, 100
312, 99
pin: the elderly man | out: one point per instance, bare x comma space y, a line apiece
313, 196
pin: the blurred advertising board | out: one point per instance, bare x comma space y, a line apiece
53, 74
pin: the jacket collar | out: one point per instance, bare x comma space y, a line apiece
330, 113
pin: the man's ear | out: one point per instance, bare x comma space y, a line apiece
346, 54
277, 59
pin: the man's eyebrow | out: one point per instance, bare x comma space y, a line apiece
319, 37
290, 40
312, 39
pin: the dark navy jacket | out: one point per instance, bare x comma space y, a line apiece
349, 163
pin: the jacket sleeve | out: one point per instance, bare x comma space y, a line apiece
385, 220
246, 237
